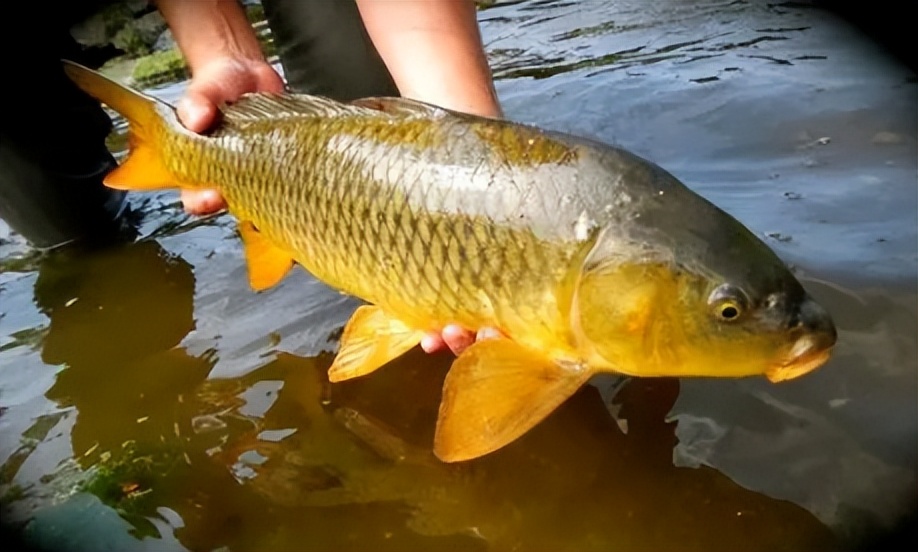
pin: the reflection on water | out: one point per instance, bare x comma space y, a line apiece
277, 457
151, 401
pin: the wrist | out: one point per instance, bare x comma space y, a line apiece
211, 30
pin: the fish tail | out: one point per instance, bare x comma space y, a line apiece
144, 168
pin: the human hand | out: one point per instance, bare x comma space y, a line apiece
434, 53
455, 338
220, 80
225, 80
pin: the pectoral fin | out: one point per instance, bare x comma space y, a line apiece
268, 264
495, 392
371, 339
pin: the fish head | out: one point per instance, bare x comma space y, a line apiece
677, 287
751, 327
656, 319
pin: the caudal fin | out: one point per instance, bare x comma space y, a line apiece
144, 168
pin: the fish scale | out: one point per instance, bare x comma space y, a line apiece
347, 224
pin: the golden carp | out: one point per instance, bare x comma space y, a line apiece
586, 257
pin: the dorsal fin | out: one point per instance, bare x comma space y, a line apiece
255, 108
261, 107
400, 106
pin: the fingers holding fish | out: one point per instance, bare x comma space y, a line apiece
202, 202
432, 343
452, 337
455, 338
222, 81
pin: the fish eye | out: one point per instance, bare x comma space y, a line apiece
729, 311
728, 302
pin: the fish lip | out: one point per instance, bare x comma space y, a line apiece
807, 361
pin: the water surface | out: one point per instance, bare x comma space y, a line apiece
150, 400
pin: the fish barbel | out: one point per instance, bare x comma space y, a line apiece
586, 257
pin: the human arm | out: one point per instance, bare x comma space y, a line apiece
225, 60
433, 51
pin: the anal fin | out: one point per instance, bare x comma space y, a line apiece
495, 392
371, 339
268, 264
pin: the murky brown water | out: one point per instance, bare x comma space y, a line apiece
151, 401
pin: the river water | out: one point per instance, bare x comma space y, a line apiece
151, 401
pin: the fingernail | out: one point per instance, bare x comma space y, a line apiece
182, 107
453, 330
191, 113
211, 199
431, 343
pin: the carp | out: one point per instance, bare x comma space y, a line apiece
586, 258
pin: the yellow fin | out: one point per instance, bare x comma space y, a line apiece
144, 168
139, 109
268, 264
495, 392
371, 339
400, 107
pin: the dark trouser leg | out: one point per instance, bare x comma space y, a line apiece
325, 50
52, 151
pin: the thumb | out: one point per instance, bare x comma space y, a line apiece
196, 110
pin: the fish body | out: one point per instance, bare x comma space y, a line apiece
586, 257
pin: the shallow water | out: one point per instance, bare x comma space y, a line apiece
151, 401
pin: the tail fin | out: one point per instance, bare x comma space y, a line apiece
144, 168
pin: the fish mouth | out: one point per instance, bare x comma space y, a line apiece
806, 355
